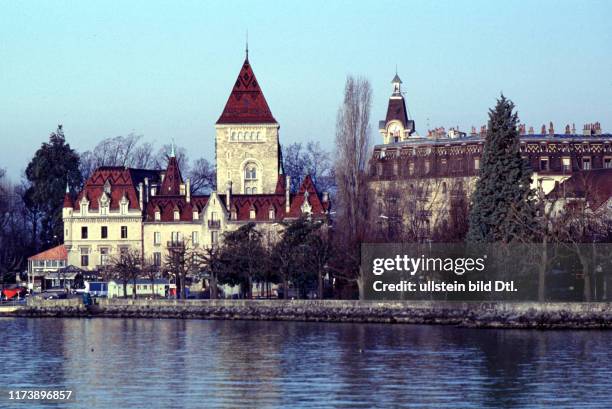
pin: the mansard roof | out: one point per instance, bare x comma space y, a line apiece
123, 182
246, 103
397, 111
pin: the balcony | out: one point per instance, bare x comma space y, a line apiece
175, 244
214, 224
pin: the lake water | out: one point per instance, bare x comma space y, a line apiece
114, 363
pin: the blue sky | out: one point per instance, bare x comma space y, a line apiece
165, 69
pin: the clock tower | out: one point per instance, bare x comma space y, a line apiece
396, 127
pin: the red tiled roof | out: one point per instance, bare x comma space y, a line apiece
167, 204
172, 180
122, 180
68, 200
55, 253
246, 103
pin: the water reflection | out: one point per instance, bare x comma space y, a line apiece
195, 364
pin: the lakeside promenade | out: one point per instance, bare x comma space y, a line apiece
554, 315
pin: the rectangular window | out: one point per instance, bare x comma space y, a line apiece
544, 164
84, 232
607, 162
157, 238
84, 256
214, 237
476, 163
103, 256
194, 238
104, 232
586, 163
427, 166
157, 259
411, 168
566, 164
124, 234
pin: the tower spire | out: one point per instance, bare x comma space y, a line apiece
172, 152
247, 44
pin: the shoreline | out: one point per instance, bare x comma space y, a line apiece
518, 315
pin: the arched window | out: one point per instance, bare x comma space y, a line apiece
247, 190
250, 172
254, 190
233, 136
239, 135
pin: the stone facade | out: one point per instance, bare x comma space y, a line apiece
243, 148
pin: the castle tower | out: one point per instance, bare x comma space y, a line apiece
247, 145
396, 127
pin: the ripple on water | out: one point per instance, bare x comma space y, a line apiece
229, 364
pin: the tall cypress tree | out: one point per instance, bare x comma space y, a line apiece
53, 166
503, 192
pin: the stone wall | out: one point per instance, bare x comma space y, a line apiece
469, 314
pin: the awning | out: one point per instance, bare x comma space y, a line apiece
11, 292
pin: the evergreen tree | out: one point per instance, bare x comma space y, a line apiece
54, 166
503, 192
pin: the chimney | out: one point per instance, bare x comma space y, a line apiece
551, 129
228, 195
146, 180
188, 191
567, 130
153, 190
141, 195
597, 128
543, 132
531, 130
287, 193
586, 130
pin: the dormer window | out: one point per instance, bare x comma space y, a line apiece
157, 214
107, 187
123, 204
196, 215
252, 213
234, 214
177, 214
84, 206
271, 213
104, 202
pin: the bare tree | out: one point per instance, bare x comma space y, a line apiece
127, 266
181, 261
210, 261
313, 160
352, 149
203, 176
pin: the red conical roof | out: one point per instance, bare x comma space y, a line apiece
172, 180
68, 200
246, 103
